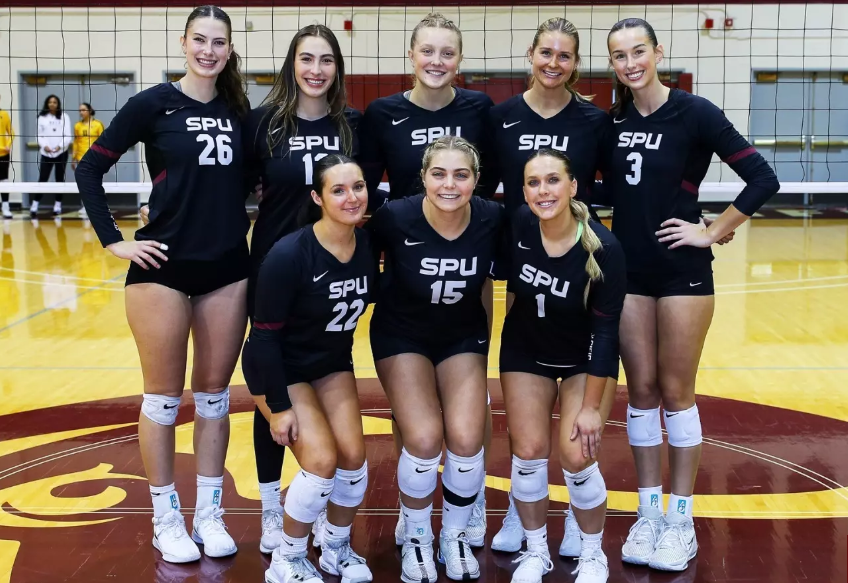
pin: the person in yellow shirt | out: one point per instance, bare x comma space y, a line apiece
7, 136
86, 131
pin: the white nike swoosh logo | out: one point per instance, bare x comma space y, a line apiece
170, 111
506, 125
481, 342
409, 243
694, 284
314, 278
275, 131
556, 365
619, 120
396, 122
520, 246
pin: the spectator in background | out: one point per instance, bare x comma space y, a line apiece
7, 135
54, 139
86, 131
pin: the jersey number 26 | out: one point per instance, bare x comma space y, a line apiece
221, 144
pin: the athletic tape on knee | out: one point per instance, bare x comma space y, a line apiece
529, 479
463, 476
643, 427
349, 487
307, 496
586, 489
683, 427
416, 477
160, 409
212, 405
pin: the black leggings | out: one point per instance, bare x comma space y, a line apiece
44, 168
269, 454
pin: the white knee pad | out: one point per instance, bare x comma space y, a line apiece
307, 496
683, 427
643, 427
349, 487
529, 479
416, 477
587, 488
212, 405
463, 476
160, 409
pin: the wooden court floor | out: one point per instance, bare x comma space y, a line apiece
771, 501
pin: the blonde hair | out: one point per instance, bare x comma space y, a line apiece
589, 239
434, 20
562, 26
447, 143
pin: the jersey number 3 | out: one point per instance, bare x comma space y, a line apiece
636, 169
224, 151
342, 308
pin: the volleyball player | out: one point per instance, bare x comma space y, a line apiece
313, 286
660, 151
394, 133
304, 118
188, 268
86, 132
430, 340
7, 136
560, 338
550, 114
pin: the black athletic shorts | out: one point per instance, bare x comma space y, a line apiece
194, 278
512, 360
317, 368
384, 346
659, 285
4, 167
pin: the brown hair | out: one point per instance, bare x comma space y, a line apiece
434, 20
455, 143
622, 92
562, 26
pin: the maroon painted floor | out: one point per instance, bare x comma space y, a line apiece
750, 550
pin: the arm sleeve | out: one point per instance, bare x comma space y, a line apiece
605, 303
371, 157
130, 126
67, 132
735, 151
262, 361
42, 131
489, 174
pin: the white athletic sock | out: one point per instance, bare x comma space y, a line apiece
590, 541
418, 523
455, 517
335, 535
165, 499
651, 497
292, 546
680, 504
270, 494
209, 491
537, 539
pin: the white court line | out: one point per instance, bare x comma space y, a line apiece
51, 284
47, 274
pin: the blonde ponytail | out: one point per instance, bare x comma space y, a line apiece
590, 243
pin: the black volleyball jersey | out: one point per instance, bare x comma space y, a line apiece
194, 156
548, 319
307, 306
395, 132
657, 164
286, 172
581, 131
430, 287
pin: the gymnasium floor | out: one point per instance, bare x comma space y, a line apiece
773, 385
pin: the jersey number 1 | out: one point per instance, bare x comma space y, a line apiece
636, 169
224, 154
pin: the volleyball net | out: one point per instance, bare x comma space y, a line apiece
779, 71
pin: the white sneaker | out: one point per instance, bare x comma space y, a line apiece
400, 529
296, 568
571, 545
476, 531
7, 212
33, 209
342, 561
318, 529
171, 539
455, 554
592, 567
509, 538
417, 564
532, 566
642, 538
676, 545
57, 208
272, 531
210, 531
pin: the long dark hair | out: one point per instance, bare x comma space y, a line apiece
283, 97
89, 108
45, 110
230, 83
311, 212
622, 92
